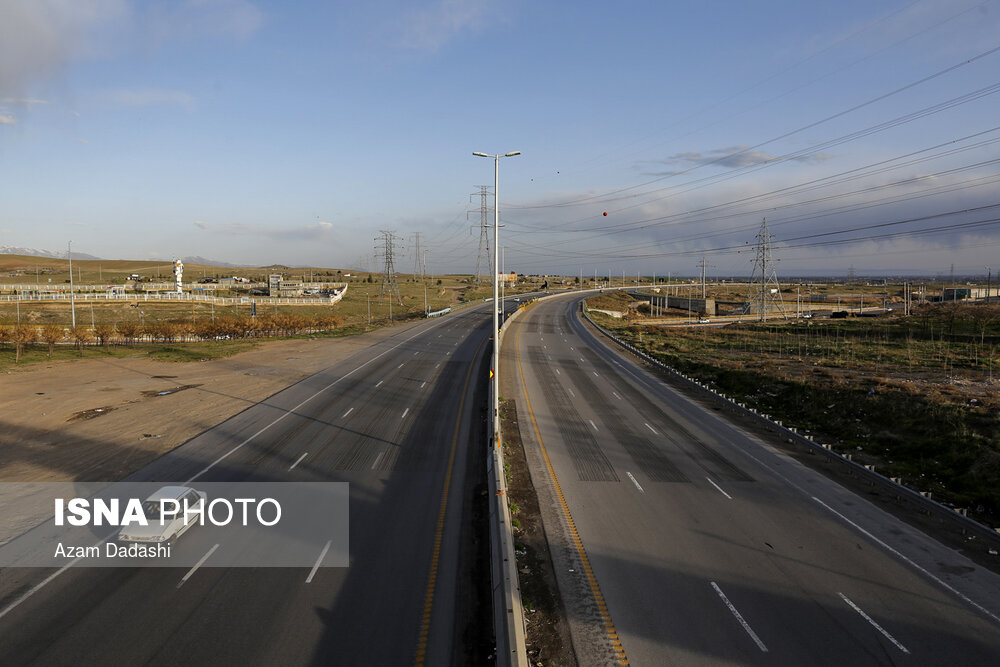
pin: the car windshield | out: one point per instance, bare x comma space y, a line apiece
151, 508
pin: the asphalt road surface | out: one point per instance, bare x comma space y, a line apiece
399, 422
679, 539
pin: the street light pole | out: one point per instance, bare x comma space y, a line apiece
496, 288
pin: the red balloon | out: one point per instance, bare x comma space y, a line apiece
605, 214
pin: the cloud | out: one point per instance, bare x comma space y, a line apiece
149, 97
193, 19
38, 37
311, 232
7, 119
21, 101
430, 28
736, 157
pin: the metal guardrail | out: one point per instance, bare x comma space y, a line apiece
508, 611
891, 485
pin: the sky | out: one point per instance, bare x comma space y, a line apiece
258, 132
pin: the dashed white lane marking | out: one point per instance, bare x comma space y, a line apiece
570, 392
736, 613
404, 413
719, 489
615, 394
349, 411
400, 366
596, 374
592, 424
197, 565
874, 624
572, 349
9, 608
378, 459
557, 372
899, 555
379, 384
635, 482
651, 428
423, 384
322, 555
298, 461
437, 365
416, 353
581, 359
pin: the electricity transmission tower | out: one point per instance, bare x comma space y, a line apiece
483, 256
416, 253
384, 247
764, 285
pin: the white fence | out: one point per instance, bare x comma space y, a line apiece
182, 297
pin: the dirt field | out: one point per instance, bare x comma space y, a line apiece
58, 417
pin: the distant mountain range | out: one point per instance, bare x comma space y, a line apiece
35, 252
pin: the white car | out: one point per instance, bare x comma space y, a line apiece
158, 531
704, 320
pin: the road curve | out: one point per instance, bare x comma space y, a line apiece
679, 539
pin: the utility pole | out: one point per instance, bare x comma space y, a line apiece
989, 277
389, 284
704, 266
483, 256
424, 278
72, 298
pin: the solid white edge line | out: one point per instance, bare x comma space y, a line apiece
719, 489
322, 555
55, 574
736, 613
912, 564
652, 383
38, 587
874, 624
634, 482
298, 460
197, 565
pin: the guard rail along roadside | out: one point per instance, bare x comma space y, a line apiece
437, 313
892, 485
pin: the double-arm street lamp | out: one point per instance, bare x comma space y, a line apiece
495, 365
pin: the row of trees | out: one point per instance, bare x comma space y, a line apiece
129, 332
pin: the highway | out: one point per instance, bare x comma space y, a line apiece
403, 422
679, 539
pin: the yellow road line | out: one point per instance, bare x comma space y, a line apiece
595, 589
425, 624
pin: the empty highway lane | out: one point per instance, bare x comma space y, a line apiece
397, 421
679, 539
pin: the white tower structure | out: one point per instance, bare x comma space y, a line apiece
178, 274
